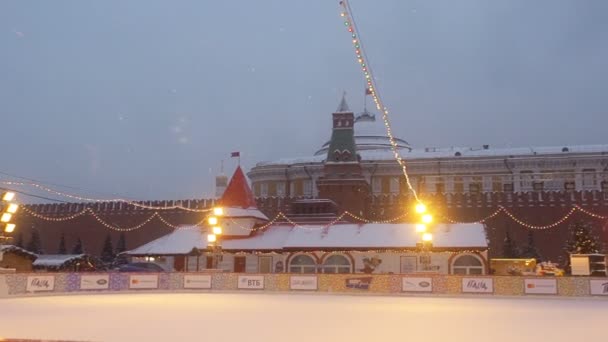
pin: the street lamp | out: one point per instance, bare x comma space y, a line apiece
8, 210
423, 226
213, 242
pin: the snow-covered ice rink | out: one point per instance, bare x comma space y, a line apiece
301, 317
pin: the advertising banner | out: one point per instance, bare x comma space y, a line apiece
360, 283
40, 283
411, 284
197, 281
251, 282
303, 283
599, 287
95, 282
477, 285
540, 286
140, 281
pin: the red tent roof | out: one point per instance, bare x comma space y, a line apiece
238, 193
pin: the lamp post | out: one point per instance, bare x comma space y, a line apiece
422, 227
213, 238
9, 208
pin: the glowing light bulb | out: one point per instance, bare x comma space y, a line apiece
420, 228
427, 218
8, 196
212, 220
9, 228
12, 208
420, 208
211, 238
218, 211
217, 230
427, 237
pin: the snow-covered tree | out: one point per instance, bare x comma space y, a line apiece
582, 240
62, 248
107, 253
78, 249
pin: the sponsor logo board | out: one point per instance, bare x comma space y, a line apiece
139, 281
303, 282
95, 282
197, 281
540, 286
415, 284
477, 285
251, 282
360, 283
40, 283
599, 287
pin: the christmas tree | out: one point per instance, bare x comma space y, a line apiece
107, 253
20, 242
508, 248
35, 243
121, 246
582, 240
78, 249
62, 249
530, 250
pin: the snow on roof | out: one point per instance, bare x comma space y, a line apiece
451, 152
13, 248
55, 260
339, 236
244, 212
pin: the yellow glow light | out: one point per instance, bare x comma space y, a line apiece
427, 237
211, 238
6, 217
427, 218
10, 227
218, 211
12, 208
8, 196
212, 220
217, 230
420, 228
420, 208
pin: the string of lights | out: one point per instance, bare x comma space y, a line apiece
372, 87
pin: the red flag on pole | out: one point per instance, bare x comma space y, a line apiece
235, 154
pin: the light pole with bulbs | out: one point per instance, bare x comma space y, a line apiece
9, 208
213, 238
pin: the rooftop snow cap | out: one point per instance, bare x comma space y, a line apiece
238, 193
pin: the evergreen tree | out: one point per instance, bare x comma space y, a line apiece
121, 246
35, 243
582, 240
508, 248
62, 249
107, 253
530, 250
78, 249
20, 243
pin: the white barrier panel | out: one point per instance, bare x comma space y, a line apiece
599, 287
477, 285
95, 282
140, 281
303, 283
540, 286
416, 284
197, 281
40, 283
251, 282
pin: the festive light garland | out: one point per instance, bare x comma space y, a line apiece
370, 80
97, 200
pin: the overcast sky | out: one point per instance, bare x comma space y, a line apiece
144, 98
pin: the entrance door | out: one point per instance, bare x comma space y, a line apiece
265, 263
239, 264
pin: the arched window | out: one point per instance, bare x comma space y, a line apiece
302, 264
467, 264
336, 264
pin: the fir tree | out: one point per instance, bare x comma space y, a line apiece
78, 249
582, 240
62, 249
107, 253
508, 248
530, 250
35, 243
20, 243
121, 246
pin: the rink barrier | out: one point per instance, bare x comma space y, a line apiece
25, 284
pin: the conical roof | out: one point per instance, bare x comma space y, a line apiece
343, 106
238, 193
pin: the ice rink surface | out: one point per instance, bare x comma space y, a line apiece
301, 317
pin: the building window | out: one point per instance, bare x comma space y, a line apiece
497, 184
281, 189
336, 264
394, 185
376, 185
589, 181
308, 187
302, 264
525, 180
298, 188
467, 264
458, 185
264, 189
272, 189
256, 189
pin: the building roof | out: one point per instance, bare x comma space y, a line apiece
238, 193
56, 260
338, 236
18, 250
343, 106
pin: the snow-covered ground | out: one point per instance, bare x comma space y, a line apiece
301, 317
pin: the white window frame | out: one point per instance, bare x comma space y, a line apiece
337, 268
467, 269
